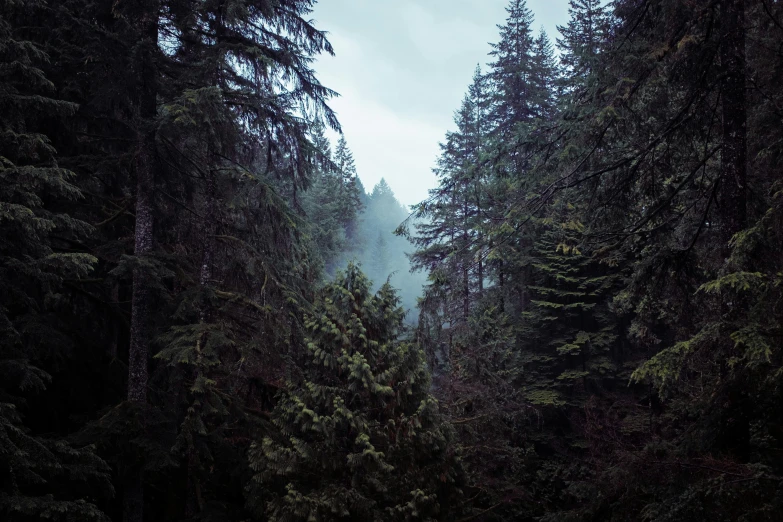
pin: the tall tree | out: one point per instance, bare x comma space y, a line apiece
583, 39
512, 70
142, 17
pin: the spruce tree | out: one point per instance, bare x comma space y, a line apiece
333, 203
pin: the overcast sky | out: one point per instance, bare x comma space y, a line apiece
402, 68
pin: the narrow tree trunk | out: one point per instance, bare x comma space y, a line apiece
501, 280
117, 328
480, 243
733, 154
194, 500
146, 25
733, 159
480, 267
466, 260
466, 296
139, 343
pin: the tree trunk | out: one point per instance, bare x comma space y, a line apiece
733, 159
466, 258
146, 25
480, 267
194, 501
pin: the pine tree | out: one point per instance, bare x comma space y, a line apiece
544, 79
468, 334
359, 436
451, 234
523, 78
233, 154
658, 198
568, 334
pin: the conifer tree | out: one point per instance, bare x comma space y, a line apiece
523, 77
568, 333
230, 267
359, 437
333, 202
512, 70
468, 334
681, 70
380, 258
41, 478
248, 134
583, 39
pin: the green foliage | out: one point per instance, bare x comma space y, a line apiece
359, 437
41, 478
602, 317
333, 203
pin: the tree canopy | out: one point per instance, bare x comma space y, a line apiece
204, 315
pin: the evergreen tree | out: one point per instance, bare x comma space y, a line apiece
468, 334
359, 436
545, 77
601, 320
583, 40
512, 71
245, 134
380, 258
232, 152
41, 478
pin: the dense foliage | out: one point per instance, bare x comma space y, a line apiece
603, 309
359, 437
598, 336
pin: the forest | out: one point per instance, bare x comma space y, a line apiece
205, 316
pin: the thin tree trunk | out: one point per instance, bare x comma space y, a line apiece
146, 25
194, 501
733, 160
733, 153
139, 344
466, 260
480, 267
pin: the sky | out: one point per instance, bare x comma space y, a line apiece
401, 68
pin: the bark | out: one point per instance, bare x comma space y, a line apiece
145, 23
480, 267
466, 260
194, 501
734, 156
734, 140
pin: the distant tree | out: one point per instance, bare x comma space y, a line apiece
351, 191
333, 203
382, 191
380, 258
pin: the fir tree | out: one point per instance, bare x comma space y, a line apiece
360, 436
583, 39
512, 70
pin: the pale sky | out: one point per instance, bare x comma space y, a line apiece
402, 68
